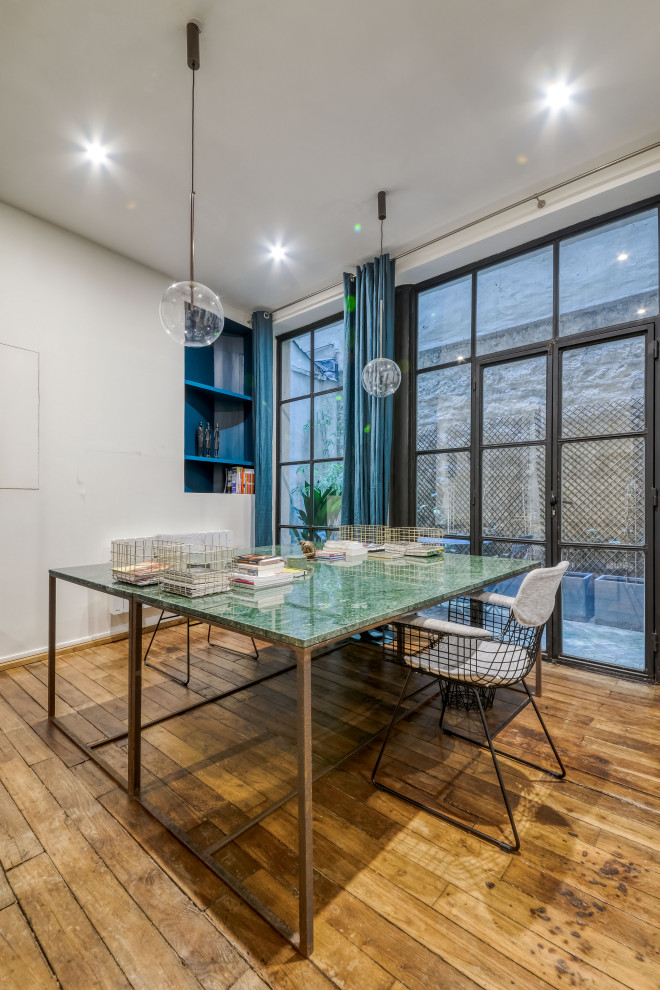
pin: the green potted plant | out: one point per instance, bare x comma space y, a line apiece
321, 504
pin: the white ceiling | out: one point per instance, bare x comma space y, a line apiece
305, 109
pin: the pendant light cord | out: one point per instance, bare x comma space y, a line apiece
192, 188
380, 348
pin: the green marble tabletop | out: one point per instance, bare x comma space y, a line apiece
334, 600
98, 577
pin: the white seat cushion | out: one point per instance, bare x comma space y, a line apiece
490, 664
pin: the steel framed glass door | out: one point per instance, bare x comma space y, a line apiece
563, 470
512, 461
602, 519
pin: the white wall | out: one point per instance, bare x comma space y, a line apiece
111, 428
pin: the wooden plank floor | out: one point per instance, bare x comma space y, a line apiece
94, 892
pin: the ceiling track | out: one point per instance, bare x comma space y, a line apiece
533, 197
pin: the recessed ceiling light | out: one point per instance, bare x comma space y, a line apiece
558, 95
96, 153
640, 312
277, 252
460, 358
622, 257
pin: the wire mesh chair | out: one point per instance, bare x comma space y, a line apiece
238, 654
489, 642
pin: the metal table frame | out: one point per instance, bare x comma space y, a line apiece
303, 940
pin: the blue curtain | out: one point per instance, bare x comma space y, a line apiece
262, 336
368, 420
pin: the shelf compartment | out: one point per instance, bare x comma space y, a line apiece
219, 460
233, 418
208, 474
217, 385
225, 393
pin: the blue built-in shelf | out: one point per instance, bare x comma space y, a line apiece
219, 460
218, 390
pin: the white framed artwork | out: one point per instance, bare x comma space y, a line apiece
19, 418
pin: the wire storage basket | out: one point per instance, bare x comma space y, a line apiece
136, 561
414, 541
217, 538
364, 534
195, 569
415, 534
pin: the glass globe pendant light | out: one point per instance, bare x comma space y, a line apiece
190, 312
381, 377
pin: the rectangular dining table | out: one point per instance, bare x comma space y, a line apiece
333, 602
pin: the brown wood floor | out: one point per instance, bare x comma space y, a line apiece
94, 892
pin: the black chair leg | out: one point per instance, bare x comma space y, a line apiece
153, 636
505, 846
553, 773
160, 670
445, 699
389, 730
557, 774
179, 680
237, 653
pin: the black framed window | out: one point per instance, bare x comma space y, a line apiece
310, 432
531, 407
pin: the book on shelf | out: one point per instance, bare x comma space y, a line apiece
239, 480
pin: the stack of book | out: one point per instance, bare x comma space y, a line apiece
327, 554
145, 572
258, 570
349, 547
414, 549
423, 550
194, 581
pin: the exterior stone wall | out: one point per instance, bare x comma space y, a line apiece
602, 490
